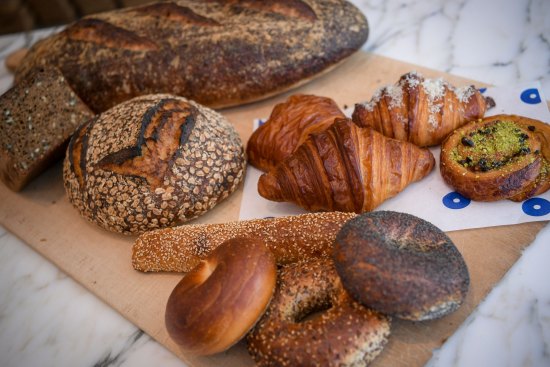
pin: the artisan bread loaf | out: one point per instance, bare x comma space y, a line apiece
38, 116
218, 53
151, 162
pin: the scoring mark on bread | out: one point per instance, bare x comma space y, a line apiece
174, 12
164, 128
288, 8
108, 35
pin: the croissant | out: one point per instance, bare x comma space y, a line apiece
421, 111
346, 168
288, 126
499, 157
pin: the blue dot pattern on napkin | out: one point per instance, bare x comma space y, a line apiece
454, 200
536, 207
531, 96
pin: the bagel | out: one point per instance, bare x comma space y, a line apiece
221, 299
291, 333
400, 265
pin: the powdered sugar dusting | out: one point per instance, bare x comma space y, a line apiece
369, 106
464, 93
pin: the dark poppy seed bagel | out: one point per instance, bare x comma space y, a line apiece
400, 265
151, 162
222, 298
312, 321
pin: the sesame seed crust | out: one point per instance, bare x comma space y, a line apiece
290, 238
342, 333
152, 162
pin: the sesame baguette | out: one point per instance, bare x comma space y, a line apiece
218, 53
290, 239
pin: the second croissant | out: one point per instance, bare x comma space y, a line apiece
346, 168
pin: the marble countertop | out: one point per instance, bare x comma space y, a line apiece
47, 319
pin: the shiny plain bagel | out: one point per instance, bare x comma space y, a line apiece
400, 265
342, 333
221, 299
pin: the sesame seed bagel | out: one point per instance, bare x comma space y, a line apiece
222, 298
152, 162
400, 265
344, 333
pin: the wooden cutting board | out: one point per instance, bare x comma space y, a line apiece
42, 217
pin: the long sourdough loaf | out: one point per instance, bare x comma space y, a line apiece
218, 53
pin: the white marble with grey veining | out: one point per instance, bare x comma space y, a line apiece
47, 319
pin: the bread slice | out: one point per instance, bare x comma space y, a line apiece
38, 116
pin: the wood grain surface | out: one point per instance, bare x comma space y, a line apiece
43, 218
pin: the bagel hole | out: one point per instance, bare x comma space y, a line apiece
313, 311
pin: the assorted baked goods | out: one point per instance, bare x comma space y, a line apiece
222, 298
290, 238
499, 157
152, 162
346, 168
38, 116
419, 110
218, 53
290, 334
288, 126
400, 265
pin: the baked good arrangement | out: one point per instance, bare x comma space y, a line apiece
288, 126
326, 310
498, 157
346, 168
39, 115
152, 162
218, 53
419, 110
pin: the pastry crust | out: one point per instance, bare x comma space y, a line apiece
288, 126
499, 157
419, 110
346, 168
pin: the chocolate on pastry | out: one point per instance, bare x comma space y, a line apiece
346, 168
152, 162
499, 157
38, 116
419, 110
288, 126
400, 265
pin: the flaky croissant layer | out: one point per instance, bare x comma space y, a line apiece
346, 168
421, 111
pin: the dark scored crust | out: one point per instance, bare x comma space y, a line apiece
218, 53
152, 162
400, 265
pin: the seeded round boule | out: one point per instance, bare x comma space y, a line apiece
141, 165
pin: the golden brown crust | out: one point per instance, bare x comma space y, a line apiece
220, 300
218, 53
152, 162
288, 126
343, 334
346, 168
516, 173
290, 238
418, 110
400, 265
